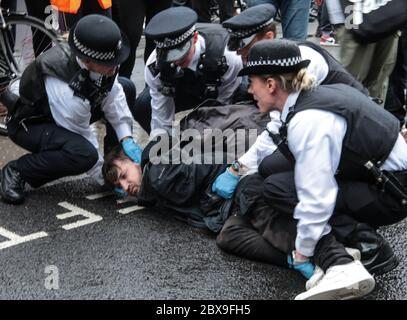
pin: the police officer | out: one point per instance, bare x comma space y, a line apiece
60, 94
187, 68
349, 156
257, 23
251, 26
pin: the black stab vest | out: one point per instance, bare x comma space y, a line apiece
371, 131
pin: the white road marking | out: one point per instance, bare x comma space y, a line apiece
99, 195
130, 209
127, 199
15, 239
76, 211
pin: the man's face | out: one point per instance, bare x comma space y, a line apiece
101, 69
262, 91
130, 176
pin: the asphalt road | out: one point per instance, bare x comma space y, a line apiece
64, 244
67, 243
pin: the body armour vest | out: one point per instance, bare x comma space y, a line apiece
190, 88
337, 73
58, 62
371, 131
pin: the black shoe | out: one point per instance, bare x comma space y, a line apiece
11, 185
376, 254
380, 260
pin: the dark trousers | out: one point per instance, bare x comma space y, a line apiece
87, 7
324, 24
142, 109
396, 97
202, 8
36, 8
9, 4
129, 15
57, 152
259, 232
357, 202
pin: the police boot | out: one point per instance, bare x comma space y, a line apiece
11, 185
376, 253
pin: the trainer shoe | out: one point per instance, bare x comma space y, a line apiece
319, 273
327, 40
341, 282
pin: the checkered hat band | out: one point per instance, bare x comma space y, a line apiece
168, 43
97, 55
278, 62
243, 33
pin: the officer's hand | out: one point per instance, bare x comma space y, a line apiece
225, 184
132, 149
306, 268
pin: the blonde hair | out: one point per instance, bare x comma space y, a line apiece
301, 80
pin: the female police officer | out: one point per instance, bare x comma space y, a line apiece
343, 145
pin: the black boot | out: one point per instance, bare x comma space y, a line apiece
11, 185
377, 255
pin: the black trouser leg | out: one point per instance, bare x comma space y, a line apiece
202, 8
87, 7
226, 8
329, 252
280, 193
275, 163
36, 8
256, 231
153, 7
261, 233
240, 238
56, 153
130, 17
396, 97
9, 4
142, 110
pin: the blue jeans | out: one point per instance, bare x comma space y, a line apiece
294, 15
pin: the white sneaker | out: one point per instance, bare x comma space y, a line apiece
319, 273
342, 282
316, 277
355, 253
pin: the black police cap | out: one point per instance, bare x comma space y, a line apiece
171, 31
274, 57
98, 38
250, 21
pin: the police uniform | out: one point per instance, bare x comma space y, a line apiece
58, 99
211, 74
342, 144
244, 27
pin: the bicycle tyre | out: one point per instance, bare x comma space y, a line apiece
12, 65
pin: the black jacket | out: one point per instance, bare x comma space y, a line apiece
185, 189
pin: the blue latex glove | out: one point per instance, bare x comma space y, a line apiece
305, 268
225, 184
132, 150
120, 192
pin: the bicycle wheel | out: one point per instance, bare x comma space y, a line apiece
24, 39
